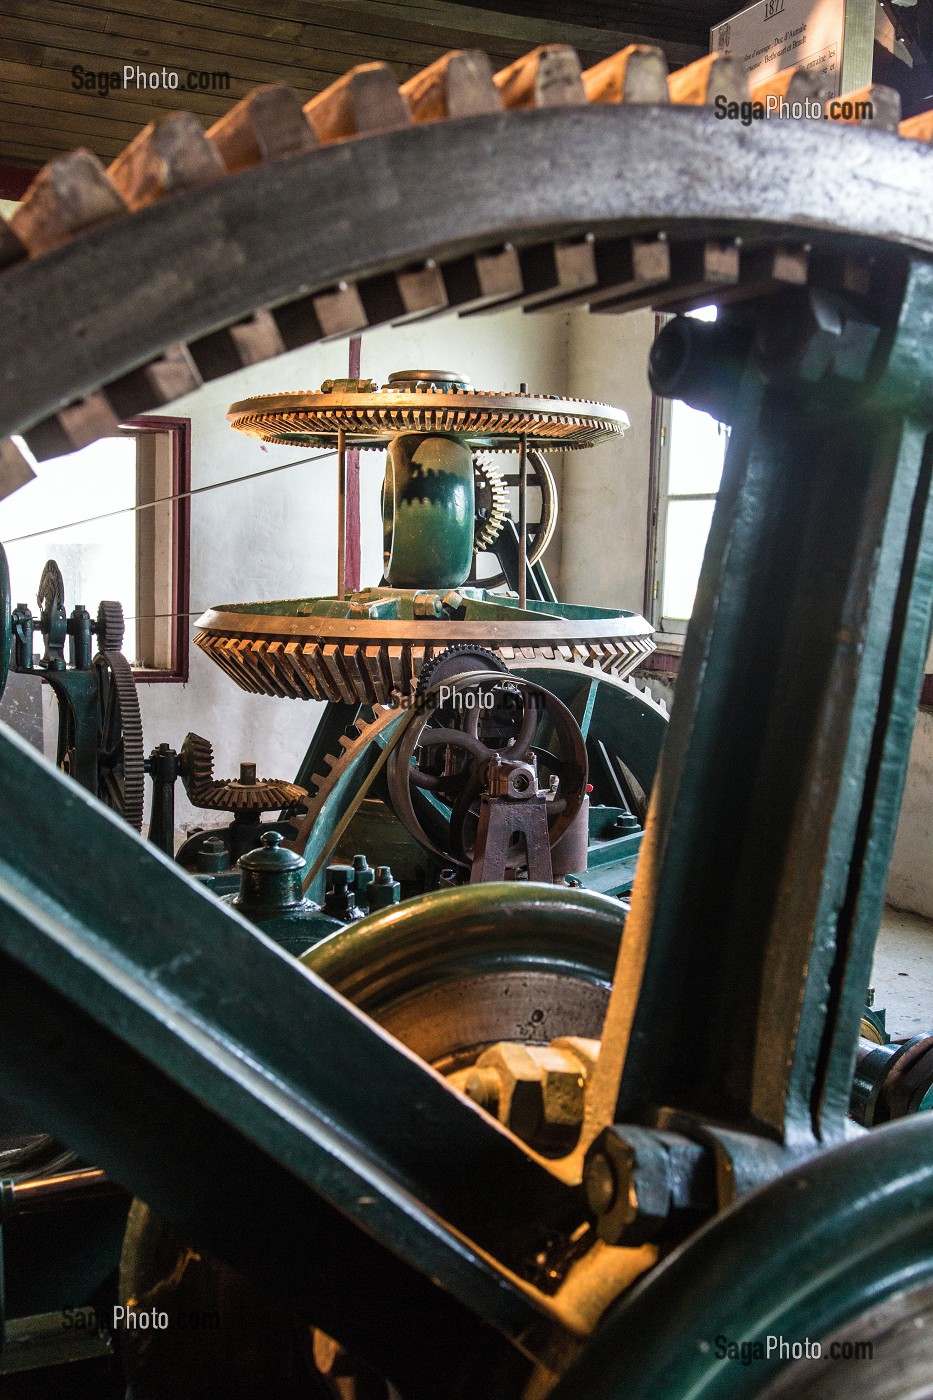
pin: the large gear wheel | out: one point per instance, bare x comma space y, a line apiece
121, 760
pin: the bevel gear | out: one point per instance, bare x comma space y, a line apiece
247, 794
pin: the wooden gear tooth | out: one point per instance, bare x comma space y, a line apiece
790, 85
248, 342
168, 156
700, 83
458, 84
151, 386
340, 311
363, 101
268, 124
623, 266
70, 194
884, 104
549, 270
697, 270
549, 76
637, 74
918, 128
73, 427
15, 471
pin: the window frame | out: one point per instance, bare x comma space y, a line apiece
179, 431
669, 632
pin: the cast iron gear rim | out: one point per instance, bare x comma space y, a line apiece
127, 794
651, 204
109, 627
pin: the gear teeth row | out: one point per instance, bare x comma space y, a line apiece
131, 725
353, 673
110, 626
75, 193
491, 488
312, 426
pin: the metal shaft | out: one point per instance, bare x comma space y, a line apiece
341, 512
523, 521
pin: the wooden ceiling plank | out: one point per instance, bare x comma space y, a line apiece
218, 20
19, 114
63, 48
527, 29
246, 22
374, 25
55, 83
33, 133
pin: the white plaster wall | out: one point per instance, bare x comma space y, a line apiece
276, 537
910, 885
605, 490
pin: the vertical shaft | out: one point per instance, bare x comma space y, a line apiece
523, 521
341, 512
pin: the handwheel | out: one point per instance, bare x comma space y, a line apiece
441, 759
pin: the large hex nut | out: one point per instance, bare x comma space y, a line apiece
627, 1179
540, 1089
521, 1092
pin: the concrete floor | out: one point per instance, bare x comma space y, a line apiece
902, 975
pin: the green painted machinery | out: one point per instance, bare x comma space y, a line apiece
681, 1206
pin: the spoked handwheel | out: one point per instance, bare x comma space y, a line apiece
463, 728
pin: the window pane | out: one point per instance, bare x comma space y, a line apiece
698, 447
688, 525
97, 559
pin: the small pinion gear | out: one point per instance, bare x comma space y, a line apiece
458, 660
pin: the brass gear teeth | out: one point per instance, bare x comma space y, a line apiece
134, 754
229, 794
308, 418
489, 481
325, 784
352, 673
